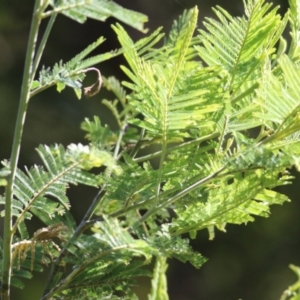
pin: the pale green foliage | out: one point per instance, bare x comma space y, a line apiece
197, 97
180, 98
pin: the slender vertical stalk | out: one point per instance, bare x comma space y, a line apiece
24, 97
41, 47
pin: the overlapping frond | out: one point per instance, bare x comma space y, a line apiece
294, 20
237, 44
172, 95
42, 190
180, 98
109, 259
248, 195
242, 47
279, 100
134, 185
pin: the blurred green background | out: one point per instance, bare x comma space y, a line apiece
248, 262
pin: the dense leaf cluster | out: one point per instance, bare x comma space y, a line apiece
222, 107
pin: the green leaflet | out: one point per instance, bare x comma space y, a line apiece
99, 10
294, 20
278, 99
71, 73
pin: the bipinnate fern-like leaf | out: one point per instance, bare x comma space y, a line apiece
241, 47
249, 195
235, 43
168, 109
115, 259
42, 190
108, 260
72, 73
279, 100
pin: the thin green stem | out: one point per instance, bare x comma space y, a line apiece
138, 145
42, 88
183, 145
118, 145
42, 45
23, 103
143, 205
160, 171
78, 231
64, 283
178, 196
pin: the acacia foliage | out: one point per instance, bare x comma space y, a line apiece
222, 104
